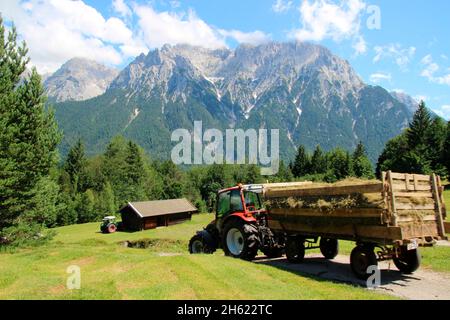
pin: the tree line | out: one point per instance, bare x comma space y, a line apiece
332, 166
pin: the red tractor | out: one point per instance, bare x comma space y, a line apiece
240, 228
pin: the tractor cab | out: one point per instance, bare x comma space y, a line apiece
243, 201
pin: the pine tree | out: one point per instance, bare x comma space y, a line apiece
76, 167
284, 173
318, 161
360, 151
134, 173
419, 127
340, 164
105, 202
28, 138
435, 141
362, 167
86, 207
302, 163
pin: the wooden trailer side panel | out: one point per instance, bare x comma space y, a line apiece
412, 209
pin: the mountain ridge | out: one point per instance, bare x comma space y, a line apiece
311, 95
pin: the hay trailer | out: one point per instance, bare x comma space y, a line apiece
387, 219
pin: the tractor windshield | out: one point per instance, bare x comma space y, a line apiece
252, 201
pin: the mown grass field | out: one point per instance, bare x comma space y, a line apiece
165, 270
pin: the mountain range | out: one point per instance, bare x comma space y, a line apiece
313, 96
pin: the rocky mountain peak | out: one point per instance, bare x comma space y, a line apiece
79, 79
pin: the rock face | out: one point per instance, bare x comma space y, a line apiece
79, 79
312, 96
406, 99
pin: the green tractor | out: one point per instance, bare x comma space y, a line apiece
109, 225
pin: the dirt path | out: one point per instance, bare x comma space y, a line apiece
422, 285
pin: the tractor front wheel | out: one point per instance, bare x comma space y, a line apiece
240, 240
198, 245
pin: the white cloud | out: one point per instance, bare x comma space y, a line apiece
380, 77
396, 52
443, 111
161, 28
326, 19
255, 38
58, 30
122, 8
281, 6
430, 70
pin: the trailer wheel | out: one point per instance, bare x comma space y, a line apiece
240, 240
361, 258
295, 250
409, 260
329, 248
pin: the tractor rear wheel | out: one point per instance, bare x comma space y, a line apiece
112, 228
329, 248
295, 250
240, 240
198, 245
408, 261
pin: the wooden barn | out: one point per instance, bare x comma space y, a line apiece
137, 216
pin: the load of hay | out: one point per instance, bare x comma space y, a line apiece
328, 203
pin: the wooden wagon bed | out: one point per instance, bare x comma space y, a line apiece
397, 210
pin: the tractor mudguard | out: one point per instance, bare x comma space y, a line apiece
241, 215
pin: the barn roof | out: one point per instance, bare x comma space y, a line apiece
161, 207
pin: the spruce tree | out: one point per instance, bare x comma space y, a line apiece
302, 163
419, 127
318, 161
86, 207
105, 203
435, 141
360, 151
28, 139
134, 173
284, 173
362, 167
76, 167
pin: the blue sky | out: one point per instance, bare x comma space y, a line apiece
398, 44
